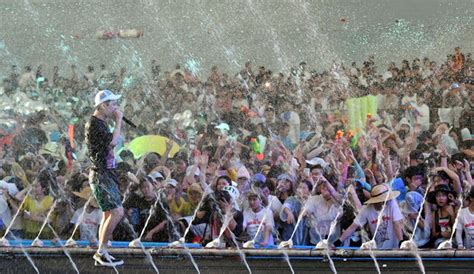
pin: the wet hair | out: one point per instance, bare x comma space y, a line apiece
225, 177
123, 167
423, 147
413, 171
416, 154
274, 172
308, 184
458, 157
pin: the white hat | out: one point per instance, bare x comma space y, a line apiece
171, 182
104, 96
466, 134
233, 191
455, 85
223, 127
156, 175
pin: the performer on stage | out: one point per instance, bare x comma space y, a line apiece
102, 178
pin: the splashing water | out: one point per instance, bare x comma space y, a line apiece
4, 241
70, 242
370, 245
15, 216
289, 243
193, 66
182, 240
410, 244
170, 223
241, 253
28, 257
137, 242
64, 249
37, 241
287, 259
251, 243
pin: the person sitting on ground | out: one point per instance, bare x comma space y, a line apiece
147, 205
257, 215
389, 233
290, 214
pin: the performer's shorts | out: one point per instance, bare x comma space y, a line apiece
104, 186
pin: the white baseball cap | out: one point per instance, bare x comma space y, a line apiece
104, 96
233, 191
156, 175
171, 182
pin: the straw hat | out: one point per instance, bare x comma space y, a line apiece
85, 194
380, 193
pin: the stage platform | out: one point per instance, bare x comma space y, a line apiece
52, 259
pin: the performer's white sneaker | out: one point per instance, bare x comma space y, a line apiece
106, 260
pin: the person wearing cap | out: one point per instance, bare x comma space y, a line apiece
255, 216
466, 224
194, 197
389, 232
243, 179
147, 204
444, 216
173, 198
102, 178
322, 209
156, 178
452, 101
410, 209
285, 187
87, 217
266, 188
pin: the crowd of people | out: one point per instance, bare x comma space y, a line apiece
264, 157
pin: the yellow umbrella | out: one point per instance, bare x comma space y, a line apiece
151, 143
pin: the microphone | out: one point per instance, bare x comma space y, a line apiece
130, 123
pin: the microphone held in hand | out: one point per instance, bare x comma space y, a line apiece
130, 123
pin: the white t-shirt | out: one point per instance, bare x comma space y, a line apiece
252, 221
89, 224
466, 223
385, 237
321, 213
